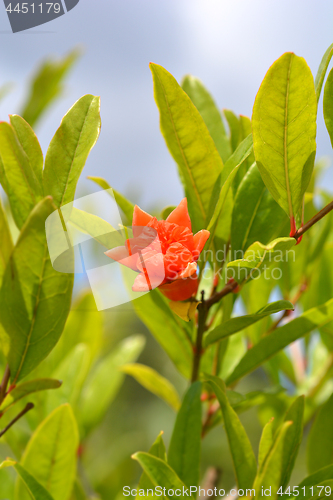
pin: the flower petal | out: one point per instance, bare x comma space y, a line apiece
142, 284
180, 215
188, 271
140, 217
199, 242
181, 289
121, 255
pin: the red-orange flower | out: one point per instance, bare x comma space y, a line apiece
164, 253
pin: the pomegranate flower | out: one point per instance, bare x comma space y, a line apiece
164, 253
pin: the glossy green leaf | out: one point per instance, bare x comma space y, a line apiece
256, 215
224, 182
157, 450
6, 246
270, 474
266, 442
126, 206
284, 130
30, 145
161, 474
153, 382
70, 147
35, 298
17, 175
259, 257
97, 396
211, 115
281, 337
243, 458
235, 325
35, 489
320, 440
50, 456
328, 105
293, 439
27, 388
322, 70
189, 142
185, 445
155, 313
46, 86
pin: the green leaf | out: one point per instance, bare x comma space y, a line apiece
206, 106
284, 130
328, 105
293, 439
315, 479
157, 450
17, 176
35, 489
281, 337
320, 440
126, 206
46, 86
97, 396
78, 492
50, 456
258, 255
153, 382
266, 442
28, 388
160, 473
30, 145
235, 325
70, 147
189, 142
269, 476
35, 298
96, 227
6, 246
167, 211
155, 313
243, 458
185, 444
224, 182
256, 215
322, 70
234, 128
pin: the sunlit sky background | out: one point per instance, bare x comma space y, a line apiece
229, 44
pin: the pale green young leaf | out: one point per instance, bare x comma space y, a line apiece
17, 175
160, 473
157, 450
36, 295
322, 70
328, 105
320, 439
185, 445
96, 227
281, 337
206, 106
126, 206
50, 456
27, 388
256, 215
35, 489
6, 246
284, 130
46, 86
30, 145
269, 476
259, 255
234, 128
153, 382
245, 465
189, 142
70, 147
239, 323
97, 396
266, 442
294, 435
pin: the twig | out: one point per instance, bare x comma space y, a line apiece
211, 480
28, 407
229, 287
4, 384
201, 330
313, 221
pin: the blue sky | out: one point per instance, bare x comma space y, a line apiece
229, 44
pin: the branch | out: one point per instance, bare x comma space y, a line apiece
229, 287
28, 407
313, 221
